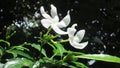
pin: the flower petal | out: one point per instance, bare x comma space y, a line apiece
79, 35
53, 11
79, 45
44, 14
55, 19
46, 23
42, 10
58, 30
66, 19
71, 31
61, 24
73, 26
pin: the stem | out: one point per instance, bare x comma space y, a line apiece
63, 41
49, 29
56, 36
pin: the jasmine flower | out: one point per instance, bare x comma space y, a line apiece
52, 20
75, 39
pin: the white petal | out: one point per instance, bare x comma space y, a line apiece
66, 19
42, 10
73, 26
61, 24
55, 19
79, 45
71, 40
46, 23
71, 31
44, 14
79, 35
53, 11
58, 30
76, 39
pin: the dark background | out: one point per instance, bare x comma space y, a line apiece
100, 19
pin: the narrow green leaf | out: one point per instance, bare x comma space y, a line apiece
101, 57
38, 47
20, 48
59, 49
8, 43
52, 45
80, 65
68, 65
36, 65
18, 63
1, 51
18, 52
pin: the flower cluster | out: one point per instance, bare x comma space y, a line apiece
52, 21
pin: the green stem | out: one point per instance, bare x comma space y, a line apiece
63, 41
49, 29
56, 36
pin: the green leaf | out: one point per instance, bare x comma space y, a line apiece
79, 64
36, 65
68, 65
101, 57
59, 49
52, 46
8, 43
18, 63
38, 47
18, 52
47, 62
1, 65
1, 51
20, 48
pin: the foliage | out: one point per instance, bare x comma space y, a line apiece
60, 57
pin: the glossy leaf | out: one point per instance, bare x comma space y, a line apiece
1, 51
18, 63
80, 65
59, 49
36, 65
38, 47
68, 65
101, 57
18, 52
6, 42
20, 48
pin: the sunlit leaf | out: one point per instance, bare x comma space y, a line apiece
1, 51
80, 65
38, 47
36, 65
18, 52
1, 65
59, 49
20, 48
101, 57
6, 42
68, 65
52, 46
18, 63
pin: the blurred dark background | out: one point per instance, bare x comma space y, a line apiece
100, 19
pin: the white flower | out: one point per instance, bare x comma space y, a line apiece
75, 39
53, 20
